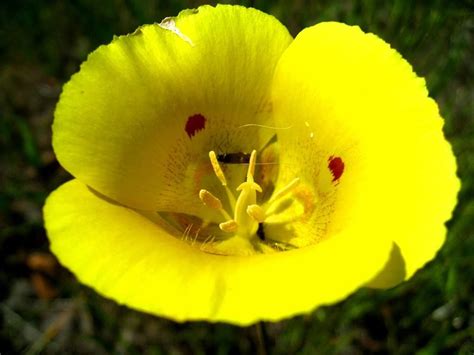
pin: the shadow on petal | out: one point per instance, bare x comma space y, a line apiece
393, 273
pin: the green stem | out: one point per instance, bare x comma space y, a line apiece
262, 339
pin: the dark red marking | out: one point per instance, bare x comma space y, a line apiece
336, 165
194, 124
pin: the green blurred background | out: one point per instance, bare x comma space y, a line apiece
45, 310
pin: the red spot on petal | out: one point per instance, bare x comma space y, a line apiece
336, 165
194, 124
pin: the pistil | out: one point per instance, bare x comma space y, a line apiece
248, 196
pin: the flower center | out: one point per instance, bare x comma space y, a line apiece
243, 224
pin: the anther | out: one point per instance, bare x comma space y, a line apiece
213, 202
256, 212
217, 168
230, 226
210, 200
220, 175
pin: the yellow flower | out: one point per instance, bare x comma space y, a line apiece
343, 174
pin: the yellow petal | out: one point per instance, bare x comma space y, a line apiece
138, 120
126, 257
355, 99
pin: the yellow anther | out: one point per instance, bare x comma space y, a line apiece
213, 202
230, 226
220, 175
210, 200
256, 212
217, 168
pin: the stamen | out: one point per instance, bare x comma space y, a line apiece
210, 200
273, 216
256, 212
230, 196
230, 226
272, 205
220, 175
248, 217
279, 194
217, 168
213, 202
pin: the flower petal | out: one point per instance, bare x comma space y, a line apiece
365, 130
136, 262
138, 120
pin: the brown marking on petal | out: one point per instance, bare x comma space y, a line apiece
194, 124
336, 165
